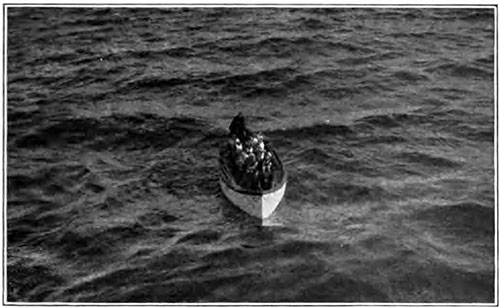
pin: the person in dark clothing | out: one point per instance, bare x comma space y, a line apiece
238, 129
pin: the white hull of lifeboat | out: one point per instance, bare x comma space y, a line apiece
257, 205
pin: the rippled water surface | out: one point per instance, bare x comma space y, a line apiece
383, 117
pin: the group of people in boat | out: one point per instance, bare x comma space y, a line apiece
252, 160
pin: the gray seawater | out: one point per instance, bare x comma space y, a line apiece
384, 118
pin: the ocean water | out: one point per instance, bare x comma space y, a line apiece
384, 118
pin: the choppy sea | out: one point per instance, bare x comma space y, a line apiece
383, 117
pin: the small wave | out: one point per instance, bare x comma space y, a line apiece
313, 23
452, 120
269, 75
15, 117
90, 35
16, 181
267, 82
462, 71
447, 93
378, 139
256, 91
70, 244
70, 131
31, 228
177, 52
108, 282
415, 14
273, 46
339, 287
156, 218
206, 81
413, 35
430, 271
333, 161
186, 290
485, 135
152, 83
394, 120
100, 18
287, 46
353, 193
340, 92
316, 156
450, 114
488, 60
360, 60
51, 179
314, 131
427, 160
473, 133
386, 121
307, 183
409, 76
469, 219
139, 131
352, 47
31, 282
287, 249
60, 57
389, 55
479, 15
200, 237
85, 77
461, 14
42, 80
184, 179
226, 256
